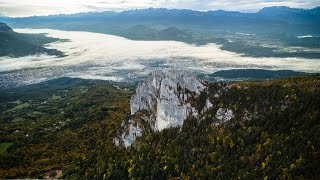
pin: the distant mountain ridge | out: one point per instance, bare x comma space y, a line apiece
276, 10
218, 19
163, 12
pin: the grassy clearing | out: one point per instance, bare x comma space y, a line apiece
4, 146
20, 106
18, 119
56, 97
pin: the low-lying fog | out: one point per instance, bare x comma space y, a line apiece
108, 57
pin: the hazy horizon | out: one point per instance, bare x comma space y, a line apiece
27, 8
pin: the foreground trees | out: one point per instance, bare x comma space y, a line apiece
274, 134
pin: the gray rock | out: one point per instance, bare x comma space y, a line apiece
167, 100
167, 96
224, 115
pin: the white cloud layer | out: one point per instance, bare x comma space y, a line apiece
108, 57
20, 8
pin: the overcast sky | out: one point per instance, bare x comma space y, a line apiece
20, 8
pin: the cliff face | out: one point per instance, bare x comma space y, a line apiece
167, 96
163, 100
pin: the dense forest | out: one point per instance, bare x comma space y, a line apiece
68, 125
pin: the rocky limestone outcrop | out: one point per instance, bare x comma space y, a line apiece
167, 96
132, 131
167, 99
223, 115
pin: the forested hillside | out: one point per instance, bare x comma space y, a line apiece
14, 44
68, 125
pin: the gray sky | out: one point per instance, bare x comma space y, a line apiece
20, 8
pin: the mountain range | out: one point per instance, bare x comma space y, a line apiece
181, 16
164, 12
